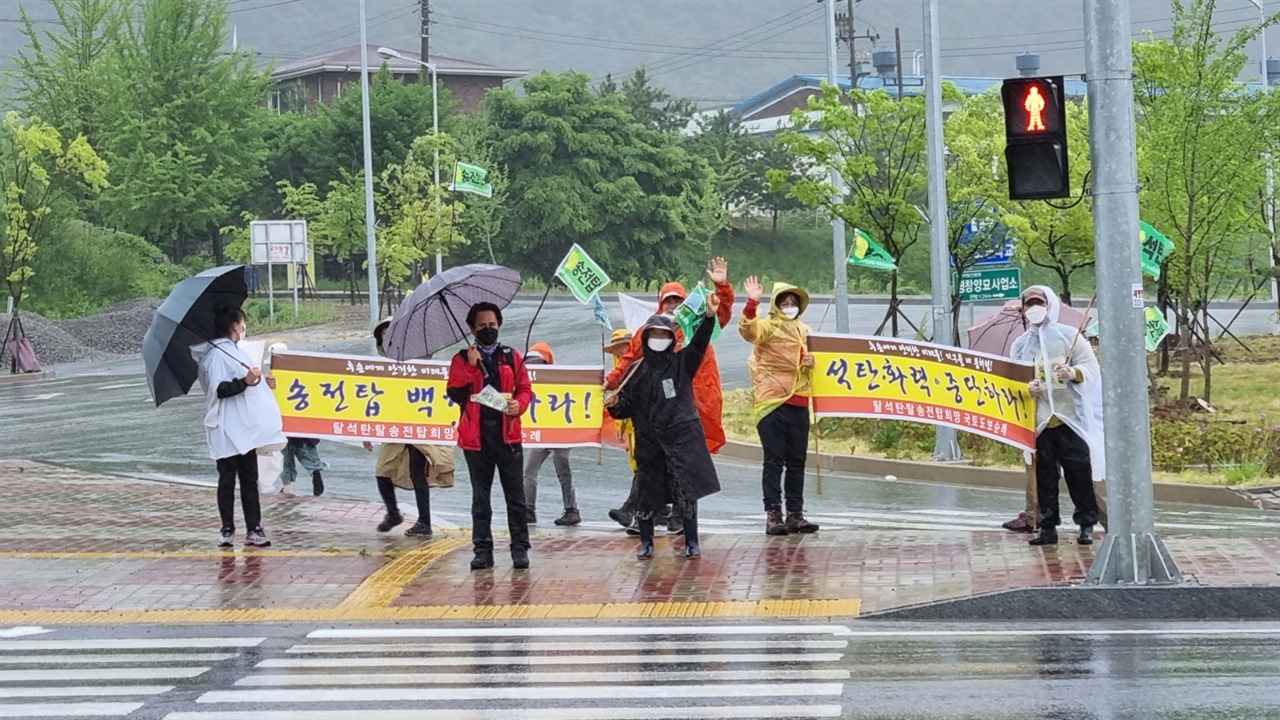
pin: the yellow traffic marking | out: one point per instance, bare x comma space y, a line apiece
345, 612
383, 586
171, 554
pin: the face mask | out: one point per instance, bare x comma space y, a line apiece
791, 313
659, 344
1037, 314
244, 331
487, 336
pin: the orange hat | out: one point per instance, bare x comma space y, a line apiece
619, 340
540, 353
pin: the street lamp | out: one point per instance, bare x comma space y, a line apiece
1269, 205
370, 236
387, 52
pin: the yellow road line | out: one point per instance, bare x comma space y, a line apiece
383, 586
739, 609
170, 554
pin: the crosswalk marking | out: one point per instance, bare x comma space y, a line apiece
556, 692
130, 643
84, 691
78, 675
532, 678
92, 709
112, 659
544, 660
737, 712
673, 646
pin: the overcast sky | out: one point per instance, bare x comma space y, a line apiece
714, 51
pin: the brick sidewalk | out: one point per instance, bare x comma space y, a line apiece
79, 547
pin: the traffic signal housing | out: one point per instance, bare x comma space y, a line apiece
1035, 126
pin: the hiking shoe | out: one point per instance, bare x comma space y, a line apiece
389, 521
570, 518
519, 558
798, 523
317, 484
419, 529
1046, 536
257, 538
1022, 523
622, 518
675, 525
773, 522
483, 560
228, 538
646, 550
634, 528
1086, 535
530, 516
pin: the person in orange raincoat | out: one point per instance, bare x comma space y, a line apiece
708, 394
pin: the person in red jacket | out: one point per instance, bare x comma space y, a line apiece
490, 438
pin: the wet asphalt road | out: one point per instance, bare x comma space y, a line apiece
608, 671
99, 417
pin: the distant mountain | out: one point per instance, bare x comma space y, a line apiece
716, 52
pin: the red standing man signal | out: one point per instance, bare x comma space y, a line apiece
1034, 105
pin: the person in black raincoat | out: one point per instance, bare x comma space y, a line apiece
673, 464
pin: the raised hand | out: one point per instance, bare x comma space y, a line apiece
713, 304
719, 271
753, 288
473, 355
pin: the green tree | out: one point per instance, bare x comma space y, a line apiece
62, 75
38, 171
335, 222
878, 144
421, 217
1201, 138
184, 125
583, 170
650, 104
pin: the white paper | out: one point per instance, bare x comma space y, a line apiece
490, 398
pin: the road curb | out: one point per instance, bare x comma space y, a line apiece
1099, 603
981, 477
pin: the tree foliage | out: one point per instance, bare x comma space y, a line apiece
649, 104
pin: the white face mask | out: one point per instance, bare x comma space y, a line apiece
659, 344
791, 313
1036, 314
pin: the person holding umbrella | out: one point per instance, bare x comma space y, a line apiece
484, 377
241, 416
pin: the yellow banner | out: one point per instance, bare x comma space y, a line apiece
920, 382
341, 397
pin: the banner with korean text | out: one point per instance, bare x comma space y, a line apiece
874, 377
359, 398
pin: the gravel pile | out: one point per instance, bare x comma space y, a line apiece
116, 331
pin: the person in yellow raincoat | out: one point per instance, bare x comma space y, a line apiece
780, 369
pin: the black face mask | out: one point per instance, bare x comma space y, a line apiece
487, 336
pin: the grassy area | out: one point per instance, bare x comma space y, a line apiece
1237, 445
310, 312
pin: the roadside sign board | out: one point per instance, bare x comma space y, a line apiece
278, 241
990, 284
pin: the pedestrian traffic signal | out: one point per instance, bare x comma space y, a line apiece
1035, 126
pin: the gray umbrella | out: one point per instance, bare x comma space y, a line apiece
183, 320
435, 315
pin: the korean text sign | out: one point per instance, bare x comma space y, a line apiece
359, 398
875, 377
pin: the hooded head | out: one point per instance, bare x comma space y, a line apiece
672, 292
658, 335
1040, 296
788, 295
540, 354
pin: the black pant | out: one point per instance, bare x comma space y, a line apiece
508, 460
784, 435
1061, 452
246, 466
421, 493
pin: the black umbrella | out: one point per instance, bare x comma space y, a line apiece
183, 320
434, 316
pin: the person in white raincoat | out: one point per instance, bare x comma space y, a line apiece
1066, 377
241, 416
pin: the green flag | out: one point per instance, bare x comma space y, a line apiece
1157, 328
1155, 249
692, 310
581, 274
868, 253
469, 178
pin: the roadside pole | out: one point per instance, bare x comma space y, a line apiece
945, 446
838, 253
1132, 552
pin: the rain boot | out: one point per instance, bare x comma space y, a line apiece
691, 549
646, 538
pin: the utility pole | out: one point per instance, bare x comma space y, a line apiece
853, 35
838, 252
897, 41
945, 447
424, 11
1132, 553
371, 238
